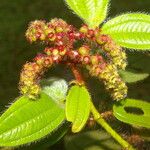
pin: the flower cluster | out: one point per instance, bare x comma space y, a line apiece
116, 54
56, 32
31, 72
107, 72
113, 51
29, 79
59, 38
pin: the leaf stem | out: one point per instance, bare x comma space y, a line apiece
98, 118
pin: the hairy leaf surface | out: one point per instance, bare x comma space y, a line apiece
53, 138
78, 107
27, 120
133, 112
93, 12
130, 30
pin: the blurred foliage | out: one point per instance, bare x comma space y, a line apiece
91, 140
15, 50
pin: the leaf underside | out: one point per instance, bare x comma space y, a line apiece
130, 30
26, 120
56, 88
93, 12
132, 118
78, 107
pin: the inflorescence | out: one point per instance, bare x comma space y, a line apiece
60, 39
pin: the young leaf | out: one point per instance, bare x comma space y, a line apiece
26, 120
78, 107
130, 30
134, 112
93, 12
131, 77
55, 88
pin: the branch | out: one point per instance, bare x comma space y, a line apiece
98, 118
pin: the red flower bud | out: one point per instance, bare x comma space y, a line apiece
90, 33
102, 39
48, 61
86, 60
51, 36
48, 50
73, 55
39, 59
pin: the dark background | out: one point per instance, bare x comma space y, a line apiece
15, 50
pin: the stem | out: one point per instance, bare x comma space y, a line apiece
77, 74
98, 118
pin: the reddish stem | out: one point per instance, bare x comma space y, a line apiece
77, 74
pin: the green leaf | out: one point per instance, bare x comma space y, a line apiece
53, 138
91, 140
131, 77
56, 88
78, 107
130, 30
26, 120
134, 112
93, 12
